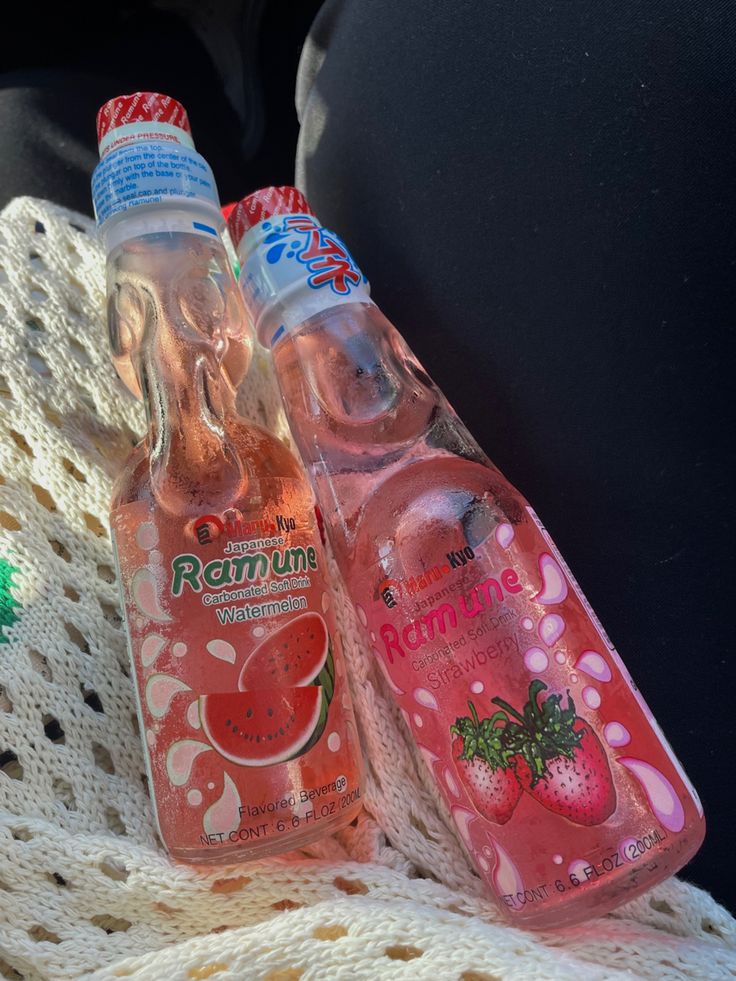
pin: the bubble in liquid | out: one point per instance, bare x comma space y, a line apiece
551, 628
559, 657
361, 614
573, 678
483, 863
616, 734
210, 786
536, 660
222, 650
145, 596
527, 623
373, 637
418, 720
334, 742
591, 697
258, 631
223, 816
180, 759
160, 689
477, 687
451, 783
151, 648
193, 715
150, 737
504, 534
663, 800
592, 663
325, 602
194, 797
155, 557
425, 698
179, 649
147, 535
557, 859
554, 584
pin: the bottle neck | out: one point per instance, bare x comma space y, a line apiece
292, 269
176, 324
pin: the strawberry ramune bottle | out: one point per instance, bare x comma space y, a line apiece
562, 787
248, 730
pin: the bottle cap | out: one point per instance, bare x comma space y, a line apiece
263, 204
142, 116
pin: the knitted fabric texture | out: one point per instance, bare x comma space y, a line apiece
85, 889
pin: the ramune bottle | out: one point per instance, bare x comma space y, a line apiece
248, 730
562, 787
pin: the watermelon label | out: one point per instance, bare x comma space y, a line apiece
242, 698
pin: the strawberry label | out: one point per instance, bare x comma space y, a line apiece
241, 694
554, 770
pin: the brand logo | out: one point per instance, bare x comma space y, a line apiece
230, 524
326, 258
390, 589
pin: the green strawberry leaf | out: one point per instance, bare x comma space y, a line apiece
543, 731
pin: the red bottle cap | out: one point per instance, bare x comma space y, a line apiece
142, 115
263, 204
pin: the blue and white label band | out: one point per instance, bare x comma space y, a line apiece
169, 175
293, 268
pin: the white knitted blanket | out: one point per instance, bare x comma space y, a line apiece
85, 891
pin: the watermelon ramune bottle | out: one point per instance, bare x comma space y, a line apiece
562, 787
248, 730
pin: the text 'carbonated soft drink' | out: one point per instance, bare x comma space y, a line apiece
562, 786
248, 730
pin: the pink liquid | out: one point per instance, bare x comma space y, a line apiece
243, 759
466, 600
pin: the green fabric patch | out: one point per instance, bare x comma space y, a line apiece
8, 603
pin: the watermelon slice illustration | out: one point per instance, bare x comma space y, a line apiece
298, 653
261, 728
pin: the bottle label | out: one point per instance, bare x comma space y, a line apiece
296, 267
552, 765
155, 172
243, 707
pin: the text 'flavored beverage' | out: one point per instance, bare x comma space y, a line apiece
248, 730
561, 785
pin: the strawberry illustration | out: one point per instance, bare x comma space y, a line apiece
483, 765
558, 758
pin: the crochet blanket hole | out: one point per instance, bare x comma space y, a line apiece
53, 731
353, 887
114, 821
206, 971
6, 971
60, 549
8, 522
94, 524
71, 593
92, 699
329, 932
111, 924
72, 470
21, 442
114, 872
10, 765
230, 885
284, 974
478, 976
103, 759
5, 704
44, 497
284, 904
401, 952
41, 934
